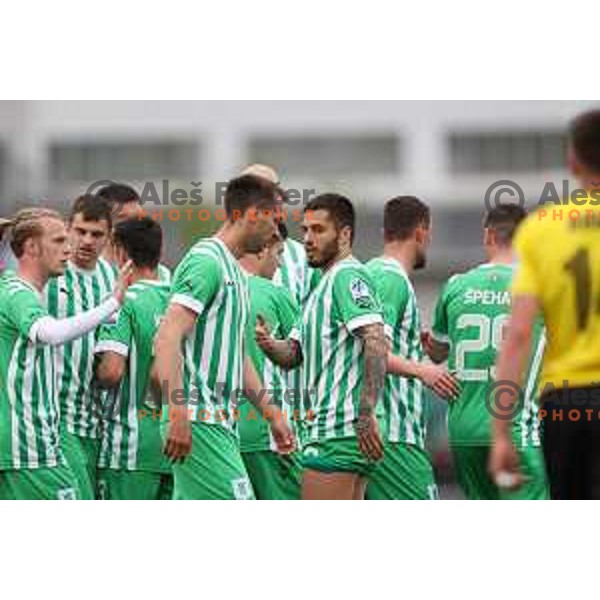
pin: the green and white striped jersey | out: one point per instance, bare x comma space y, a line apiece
74, 292
333, 370
210, 283
295, 273
130, 437
29, 429
277, 307
403, 407
300, 279
470, 316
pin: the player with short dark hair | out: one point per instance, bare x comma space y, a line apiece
344, 351
141, 239
131, 463
207, 317
469, 324
558, 277
340, 212
402, 216
123, 200
405, 472
584, 144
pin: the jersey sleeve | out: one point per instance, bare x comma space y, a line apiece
526, 279
196, 282
116, 337
288, 311
393, 294
25, 309
439, 329
356, 299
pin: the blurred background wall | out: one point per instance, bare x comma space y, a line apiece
447, 153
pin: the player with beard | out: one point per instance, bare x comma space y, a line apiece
344, 351
405, 472
206, 319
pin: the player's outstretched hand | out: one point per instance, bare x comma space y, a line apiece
179, 440
369, 440
262, 334
123, 281
283, 435
443, 383
504, 464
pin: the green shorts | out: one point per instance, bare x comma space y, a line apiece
46, 483
214, 470
115, 484
471, 465
405, 473
82, 456
337, 455
274, 476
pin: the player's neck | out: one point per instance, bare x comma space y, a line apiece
31, 273
87, 267
248, 265
144, 273
501, 256
343, 254
232, 237
402, 253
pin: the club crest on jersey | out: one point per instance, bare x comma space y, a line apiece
361, 295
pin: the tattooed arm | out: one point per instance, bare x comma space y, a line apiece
375, 348
285, 353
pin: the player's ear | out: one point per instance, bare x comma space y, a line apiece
420, 234
346, 235
32, 246
489, 236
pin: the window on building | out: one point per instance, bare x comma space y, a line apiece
328, 155
144, 160
513, 151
